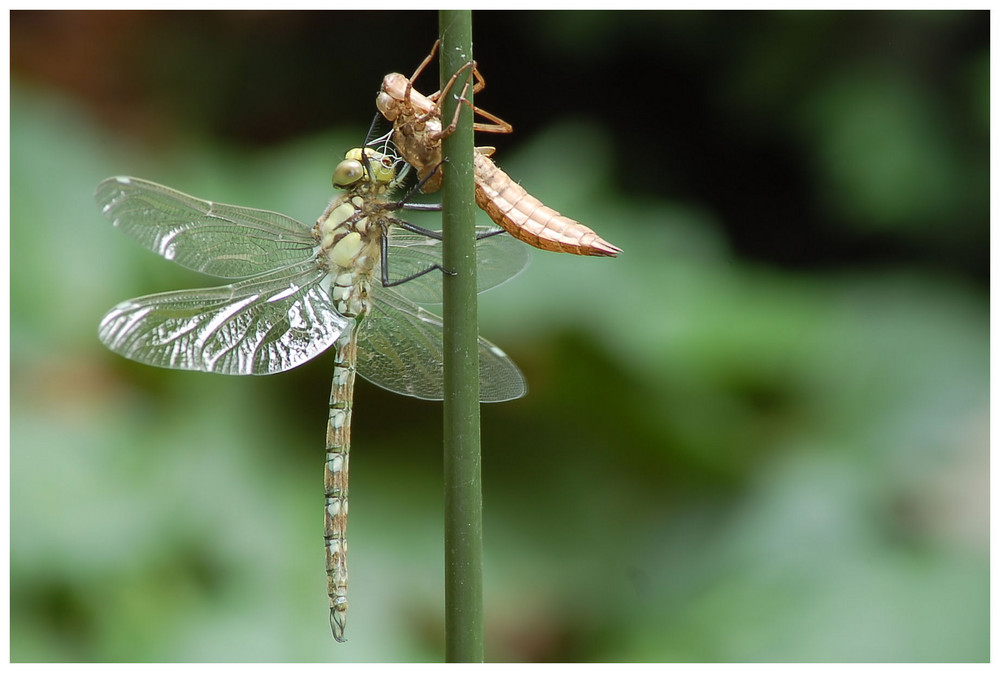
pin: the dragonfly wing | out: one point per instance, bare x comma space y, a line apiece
264, 325
214, 238
401, 348
498, 259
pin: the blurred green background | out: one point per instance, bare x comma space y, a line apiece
760, 434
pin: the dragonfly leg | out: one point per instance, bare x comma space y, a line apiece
478, 84
436, 112
488, 234
424, 207
497, 126
416, 188
416, 229
420, 69
480, 80
385, 257
437, 235
430, 233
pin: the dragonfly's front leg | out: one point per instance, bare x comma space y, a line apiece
403, 202
420, 69
430, 233
405, 205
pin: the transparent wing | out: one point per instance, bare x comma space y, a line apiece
498, 259
400, 348
220, 240
264, 325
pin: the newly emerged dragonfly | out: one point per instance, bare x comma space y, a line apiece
302, 290
417, 133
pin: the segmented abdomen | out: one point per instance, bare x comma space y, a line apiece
338, 453
528, 219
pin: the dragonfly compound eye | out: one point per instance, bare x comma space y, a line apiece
387, 105
347, 173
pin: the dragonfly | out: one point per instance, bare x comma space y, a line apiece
417, 133
300, 290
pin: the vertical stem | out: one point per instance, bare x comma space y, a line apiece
463, 499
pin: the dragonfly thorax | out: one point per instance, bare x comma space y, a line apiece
350, 234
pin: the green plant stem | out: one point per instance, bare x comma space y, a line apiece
463, 498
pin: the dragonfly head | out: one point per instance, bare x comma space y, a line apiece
392, 100
371, 167
392, 95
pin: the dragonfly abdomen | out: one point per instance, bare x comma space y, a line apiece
528, 219
338, 448
350, 248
